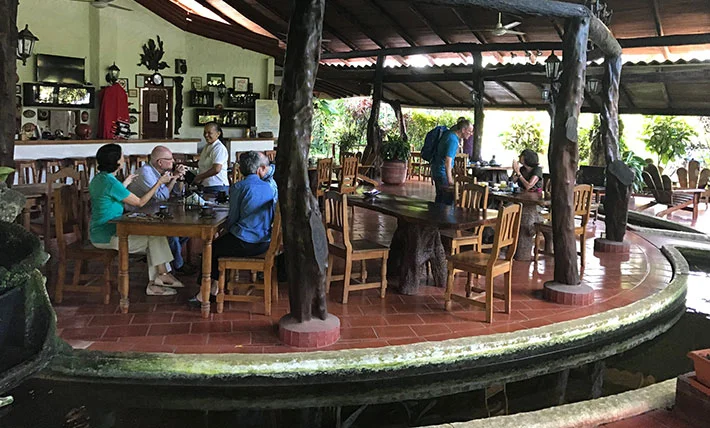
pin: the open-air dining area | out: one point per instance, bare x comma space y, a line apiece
322, 213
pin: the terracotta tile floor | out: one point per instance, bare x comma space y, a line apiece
167, 324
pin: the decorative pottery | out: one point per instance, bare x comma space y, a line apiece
701, 361
84, 116
29, 114
83, 131
394, 172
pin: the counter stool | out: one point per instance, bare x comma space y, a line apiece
26, 171
137, 161
49, 166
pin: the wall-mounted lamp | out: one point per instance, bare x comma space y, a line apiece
593, 85
221, 90
552, 67
113, 73
546, 95
25, 44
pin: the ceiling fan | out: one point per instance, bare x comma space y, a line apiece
502, 30
100, 4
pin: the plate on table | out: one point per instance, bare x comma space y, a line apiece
371, 193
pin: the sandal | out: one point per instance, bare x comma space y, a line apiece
156, 290
167, 280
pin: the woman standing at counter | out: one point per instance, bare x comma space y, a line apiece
212, 173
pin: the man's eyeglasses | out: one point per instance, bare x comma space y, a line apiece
167, 159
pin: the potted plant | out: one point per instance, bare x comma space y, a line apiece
348, 141
701, 362
395, 153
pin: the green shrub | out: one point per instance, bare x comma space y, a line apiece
524, 133
668, 137
394, 148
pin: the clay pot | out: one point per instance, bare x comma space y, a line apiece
394, 172
701, 362
83, 131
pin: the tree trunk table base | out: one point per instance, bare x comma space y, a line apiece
565, 294
413, 245
314, 333
603, 245
528, 217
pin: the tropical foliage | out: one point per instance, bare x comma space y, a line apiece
418, 123
395, 148
636, 163
668, 137
524, 133
591, 150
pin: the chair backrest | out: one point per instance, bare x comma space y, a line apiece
547, 183
594, 175
26, 172
236, 174
324, 173
276, 235
704, 178
460, 164
336, 217
655, 175
693, 171
348, 175
682, 174
667, 182
271, 154
582, 196
67, 214
506, 233
471, 195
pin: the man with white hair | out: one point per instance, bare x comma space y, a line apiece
161, 160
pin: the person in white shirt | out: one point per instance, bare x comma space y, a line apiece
212, 172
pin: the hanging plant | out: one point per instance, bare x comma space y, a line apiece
152, 55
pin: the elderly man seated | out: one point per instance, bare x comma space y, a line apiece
161, 160
252, 202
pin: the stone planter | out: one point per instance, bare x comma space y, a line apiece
394, 172
701, 362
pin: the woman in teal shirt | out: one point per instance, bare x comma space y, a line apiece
107, 198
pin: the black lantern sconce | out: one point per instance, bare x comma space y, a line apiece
25, 44
552, 67
113, 73
221, 90
593, 85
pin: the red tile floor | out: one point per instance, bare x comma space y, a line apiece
167, 324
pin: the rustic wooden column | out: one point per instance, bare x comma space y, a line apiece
374, 134
478, 116
306, 248
564, 149
8, 73
609, 116
397, 107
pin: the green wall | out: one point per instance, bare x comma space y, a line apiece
103, 36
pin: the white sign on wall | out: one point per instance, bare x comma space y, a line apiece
267, 116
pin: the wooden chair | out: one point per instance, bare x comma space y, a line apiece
347, 182
44, 228
67, 218
48, 166
336, 219
682, 174
137, 161
271, 154
703, 184
489, 265
661, 188
471, 196
461, 165
582, 207
324, 175
262, 263
693, 172
236, 174
26, 171
415, 165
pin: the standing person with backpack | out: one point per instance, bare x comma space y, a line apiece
442, 163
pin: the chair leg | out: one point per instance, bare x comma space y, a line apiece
469, 283
107, 283
329, 274
508, 279
61, 277
383, 287
274, 285
220, 288
489, 298
346, 279
449, 286
582, 246
268, 284
363, 271
78, 266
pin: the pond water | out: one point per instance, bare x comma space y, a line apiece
48, 403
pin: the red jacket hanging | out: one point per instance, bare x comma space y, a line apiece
114, 106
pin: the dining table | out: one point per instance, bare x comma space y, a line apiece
36, 195
530, 214
416, 239
494, 174
181, 220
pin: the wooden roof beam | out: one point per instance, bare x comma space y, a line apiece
659, 27
487, 97
415, 9
449, 94
623, 91
512, 91
399, 96
480, 37
419, 93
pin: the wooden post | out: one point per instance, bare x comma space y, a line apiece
397, 107
564, 149
374, 134
303, 232
609, 116
478, 116
8, 71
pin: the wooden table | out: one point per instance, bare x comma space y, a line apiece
494, 174
184, 223
416, 240
528, 217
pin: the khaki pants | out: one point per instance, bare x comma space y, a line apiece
156, 249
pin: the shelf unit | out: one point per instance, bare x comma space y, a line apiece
201, 99
227, 118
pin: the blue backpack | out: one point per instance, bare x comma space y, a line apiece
431, 142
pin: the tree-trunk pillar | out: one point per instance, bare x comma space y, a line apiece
564, 149
609, 116
478, 116
8, 73
374, 134
305, 244
397, 107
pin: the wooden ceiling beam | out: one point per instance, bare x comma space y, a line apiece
625, 92
415, 9
486, 97
512, 91
480, 37
399, 96
419, 93
659, 27
450, 94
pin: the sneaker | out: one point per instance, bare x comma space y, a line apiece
167, 280
156, 290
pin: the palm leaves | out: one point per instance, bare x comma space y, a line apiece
152, 55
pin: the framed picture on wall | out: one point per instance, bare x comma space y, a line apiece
214, 79
241, 84
123, 82
196, 82
133, 93
140, 81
